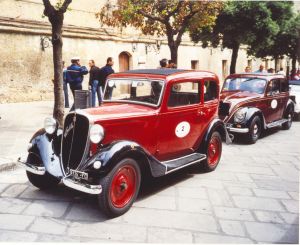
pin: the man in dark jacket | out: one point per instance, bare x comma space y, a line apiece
105, 71
75, 73
94, 82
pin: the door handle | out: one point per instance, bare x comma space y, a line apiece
201, 113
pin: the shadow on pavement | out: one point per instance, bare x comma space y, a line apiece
240, 140
84, 207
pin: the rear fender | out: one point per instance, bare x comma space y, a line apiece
216, 125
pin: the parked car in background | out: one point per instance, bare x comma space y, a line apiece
254, 102
151, 122
295, 92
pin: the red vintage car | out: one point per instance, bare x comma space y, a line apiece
151, 121
253, 102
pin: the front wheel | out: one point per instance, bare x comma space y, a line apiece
120, 188
255, 130
42, 182
289, 116
213, 152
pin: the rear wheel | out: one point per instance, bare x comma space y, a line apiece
289, 116
120, 188
42, 182
213, 152
255, 130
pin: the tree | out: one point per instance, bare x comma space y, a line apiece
239, 23
55, 15
286, 42
161, 17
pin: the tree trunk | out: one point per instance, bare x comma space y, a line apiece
174, 53
294, 62
58, 111
276, 64
56, 18
235, 51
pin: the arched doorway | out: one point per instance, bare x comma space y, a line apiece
124, 61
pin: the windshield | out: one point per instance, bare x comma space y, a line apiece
134, 90
255, 85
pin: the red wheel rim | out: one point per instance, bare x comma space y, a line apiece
214, 151
123, 186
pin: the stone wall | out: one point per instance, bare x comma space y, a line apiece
26, 69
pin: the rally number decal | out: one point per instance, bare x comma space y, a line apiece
182, 129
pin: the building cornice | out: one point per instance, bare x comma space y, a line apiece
40, 28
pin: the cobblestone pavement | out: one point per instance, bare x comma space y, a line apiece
252, 197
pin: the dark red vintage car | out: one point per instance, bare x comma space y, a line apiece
151, 121
251, 103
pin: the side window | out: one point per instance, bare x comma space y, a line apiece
273, 87
284, 86
210, 90
185, 93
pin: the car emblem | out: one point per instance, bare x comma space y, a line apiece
68, 129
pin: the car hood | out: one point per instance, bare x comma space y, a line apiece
235, 97
118, 111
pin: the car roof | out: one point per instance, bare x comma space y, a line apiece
166, 73
254, 74
162, 71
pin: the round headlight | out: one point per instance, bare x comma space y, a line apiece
50, 125
96, 133
240, 115
97, 165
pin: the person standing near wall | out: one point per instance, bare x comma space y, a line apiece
104, 72
65, 86
94, 82
75, 73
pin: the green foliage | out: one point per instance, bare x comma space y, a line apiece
240, 22
160, 17
269, 28
283, 43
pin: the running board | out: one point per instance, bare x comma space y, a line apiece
183, 162
276, 123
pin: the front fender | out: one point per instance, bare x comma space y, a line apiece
45, 151
109, 156
251, 113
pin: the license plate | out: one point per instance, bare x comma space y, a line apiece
78, 174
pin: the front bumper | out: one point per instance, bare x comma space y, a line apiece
232, 129
297, 108
38, 170
87, 188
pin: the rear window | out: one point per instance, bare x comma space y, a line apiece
184, 93
210, 90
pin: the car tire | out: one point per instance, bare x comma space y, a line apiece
289, 116
120, 188
213, 152
255, 130
42, 182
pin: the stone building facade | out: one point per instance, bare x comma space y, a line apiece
26, 54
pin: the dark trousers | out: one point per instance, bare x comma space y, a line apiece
66, 94
73, 88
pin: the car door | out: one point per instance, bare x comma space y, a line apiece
284, 96
179, 125
273, 101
